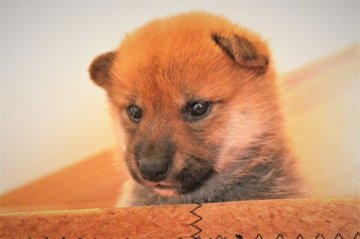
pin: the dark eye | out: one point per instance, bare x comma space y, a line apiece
134, 113
196, 110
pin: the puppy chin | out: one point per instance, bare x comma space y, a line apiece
165, 192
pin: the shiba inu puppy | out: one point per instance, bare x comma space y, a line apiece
195, 100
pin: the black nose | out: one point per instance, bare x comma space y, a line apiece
155, 158
154, 170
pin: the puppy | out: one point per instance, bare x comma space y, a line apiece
195, 100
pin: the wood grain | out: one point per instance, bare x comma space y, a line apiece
248, 219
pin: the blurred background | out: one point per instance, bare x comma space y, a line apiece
53, 117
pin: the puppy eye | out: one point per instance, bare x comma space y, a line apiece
196, 110
134, 113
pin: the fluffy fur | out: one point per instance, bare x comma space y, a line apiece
237, 151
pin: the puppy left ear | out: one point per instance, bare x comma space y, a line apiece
242, 51
100, 69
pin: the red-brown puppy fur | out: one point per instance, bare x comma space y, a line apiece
237, 150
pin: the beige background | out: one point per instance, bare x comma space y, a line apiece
51, 114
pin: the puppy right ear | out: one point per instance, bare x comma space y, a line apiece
242, 51
100, 69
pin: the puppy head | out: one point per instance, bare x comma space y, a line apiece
190, 93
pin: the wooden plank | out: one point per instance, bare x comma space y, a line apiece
309, 218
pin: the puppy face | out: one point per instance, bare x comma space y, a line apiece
190, 93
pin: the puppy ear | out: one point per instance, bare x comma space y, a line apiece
242, 51
100, 69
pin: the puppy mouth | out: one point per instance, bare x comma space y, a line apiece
164, 187
187, 180
161, 185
